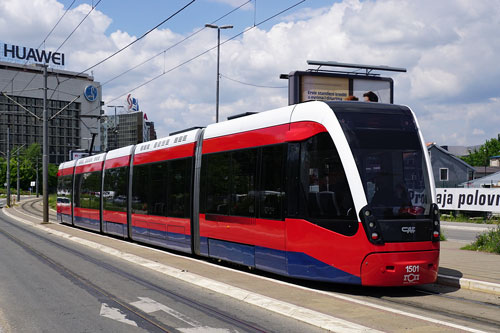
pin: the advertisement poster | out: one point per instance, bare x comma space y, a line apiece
381, 88
319, 88
473, 199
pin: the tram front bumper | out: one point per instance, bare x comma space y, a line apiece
400, 268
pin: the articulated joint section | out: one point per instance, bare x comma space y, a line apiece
372, 227
435, 223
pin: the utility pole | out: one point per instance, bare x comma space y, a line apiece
36, 185
213, 26
18, 184
115, 129
45, 153
8, 166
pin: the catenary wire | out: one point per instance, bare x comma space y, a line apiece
131, 43
174, 45
201, 54
44, 40
68, 37
251, 84
125, 47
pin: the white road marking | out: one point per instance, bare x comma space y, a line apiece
204, 329
466, 228
149, 306
115, 314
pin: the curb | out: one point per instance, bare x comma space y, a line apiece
463, 283
451, 281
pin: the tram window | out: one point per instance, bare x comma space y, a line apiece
140, 185
64, 189
244, 170
325, 195
115, 191
88, 189
271, 182
217, 183
162, 189
178, 184
158, 189
228, 183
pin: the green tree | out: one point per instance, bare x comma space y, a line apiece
28, 157
480, 157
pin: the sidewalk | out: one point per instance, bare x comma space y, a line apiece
469, 269
458, 268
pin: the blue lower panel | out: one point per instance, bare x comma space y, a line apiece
87, 223
204, 246
270, 260
303, 266
168, 240
293, 264
64, 218
117, 229
234, 252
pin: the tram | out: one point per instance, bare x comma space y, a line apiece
338, 192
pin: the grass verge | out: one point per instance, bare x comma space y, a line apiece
486, 242
53, 201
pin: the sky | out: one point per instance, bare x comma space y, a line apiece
450, 49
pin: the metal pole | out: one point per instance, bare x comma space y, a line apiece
116, 132
217, 93
18, 184
45, 158
36, 185
8, 166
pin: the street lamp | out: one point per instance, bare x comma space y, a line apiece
115, 130
213, 26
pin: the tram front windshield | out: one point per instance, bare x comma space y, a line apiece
389, 156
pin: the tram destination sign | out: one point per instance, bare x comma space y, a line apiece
22, 54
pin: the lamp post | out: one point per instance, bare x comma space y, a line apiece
213, 26
115, 130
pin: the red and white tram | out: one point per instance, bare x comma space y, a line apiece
338, 192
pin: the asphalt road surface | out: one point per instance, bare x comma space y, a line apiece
464, 232
51, 285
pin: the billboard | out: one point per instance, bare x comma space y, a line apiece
472, 199
306, 86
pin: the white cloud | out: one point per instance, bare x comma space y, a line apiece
449, 47
477, 131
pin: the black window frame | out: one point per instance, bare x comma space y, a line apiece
118, 201
344, 221
222, 200
151, 198
81, 180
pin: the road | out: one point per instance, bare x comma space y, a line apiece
57, 284
464, 232
52, 285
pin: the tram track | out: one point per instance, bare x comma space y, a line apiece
390, 297
204, 308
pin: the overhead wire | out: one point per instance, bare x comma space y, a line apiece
174, 45
131, 43
65, 40
203, 53
123, 48
43, 42
78, 25
251, 84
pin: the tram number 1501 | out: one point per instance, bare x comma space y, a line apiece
412, 268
